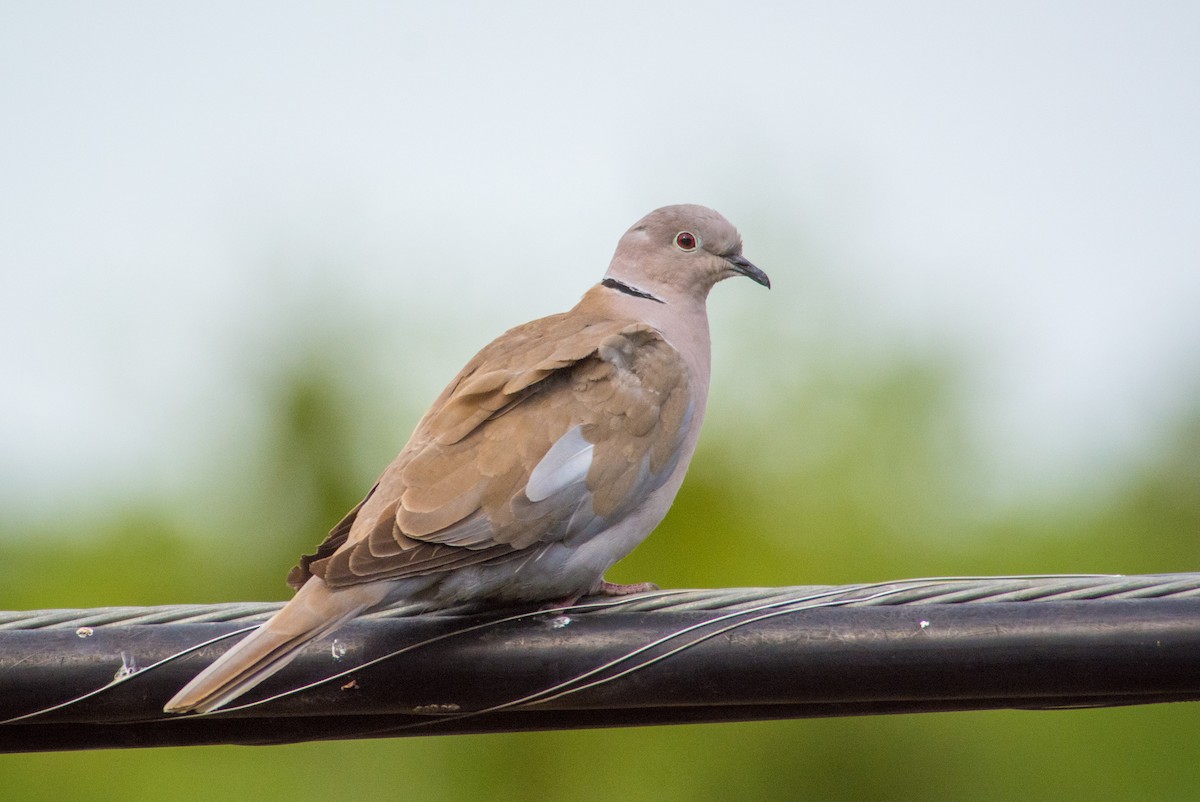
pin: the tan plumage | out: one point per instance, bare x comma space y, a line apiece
556, 450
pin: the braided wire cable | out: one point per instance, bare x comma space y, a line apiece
938, 590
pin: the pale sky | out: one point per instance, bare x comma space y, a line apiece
1017, 183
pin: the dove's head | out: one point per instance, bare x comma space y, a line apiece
681, 252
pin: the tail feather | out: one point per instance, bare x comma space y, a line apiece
314, 611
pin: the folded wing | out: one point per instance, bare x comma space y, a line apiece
553, 433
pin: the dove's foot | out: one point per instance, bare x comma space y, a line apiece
606, 588
601, 588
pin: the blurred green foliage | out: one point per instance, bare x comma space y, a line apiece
852, 476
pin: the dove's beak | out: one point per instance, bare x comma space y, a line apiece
741, 264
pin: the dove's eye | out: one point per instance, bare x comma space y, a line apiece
686, 241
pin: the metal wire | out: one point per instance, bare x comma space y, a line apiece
98, 678
937, 590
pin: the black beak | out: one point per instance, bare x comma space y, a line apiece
741, 264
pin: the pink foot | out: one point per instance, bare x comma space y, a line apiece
602, 588
606, 588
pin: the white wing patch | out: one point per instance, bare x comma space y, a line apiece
565, 464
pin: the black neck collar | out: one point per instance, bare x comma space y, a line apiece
621, 286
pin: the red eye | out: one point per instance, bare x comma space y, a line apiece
686, 241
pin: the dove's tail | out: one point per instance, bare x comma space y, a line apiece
314, 611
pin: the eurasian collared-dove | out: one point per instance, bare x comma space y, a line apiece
554, 453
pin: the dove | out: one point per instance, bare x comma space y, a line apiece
550, 456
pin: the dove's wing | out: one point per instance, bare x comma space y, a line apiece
554, 432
